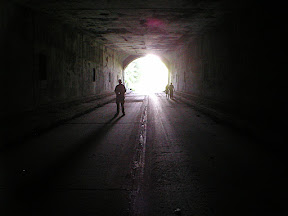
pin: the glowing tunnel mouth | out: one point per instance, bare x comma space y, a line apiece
153, 75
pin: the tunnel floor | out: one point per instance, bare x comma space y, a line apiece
161, 158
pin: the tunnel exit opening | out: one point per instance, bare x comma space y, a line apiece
146, 75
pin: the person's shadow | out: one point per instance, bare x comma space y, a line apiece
94, 137
50, 171
42, 185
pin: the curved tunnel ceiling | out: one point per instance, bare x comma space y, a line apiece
136, 27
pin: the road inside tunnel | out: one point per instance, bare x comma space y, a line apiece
161, 158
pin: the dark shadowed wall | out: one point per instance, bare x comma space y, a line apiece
238, 68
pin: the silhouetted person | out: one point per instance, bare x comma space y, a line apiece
120, 96
167, 90
171, 90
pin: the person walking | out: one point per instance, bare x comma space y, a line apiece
171, 91
120, 96
167, 90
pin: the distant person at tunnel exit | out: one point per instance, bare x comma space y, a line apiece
167, 90
120, 96
171, 90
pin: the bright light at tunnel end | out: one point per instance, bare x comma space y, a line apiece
154, 75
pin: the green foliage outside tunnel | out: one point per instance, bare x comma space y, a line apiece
133, 75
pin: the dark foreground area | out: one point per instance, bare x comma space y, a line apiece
161, 158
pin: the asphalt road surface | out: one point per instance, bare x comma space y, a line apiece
161, 158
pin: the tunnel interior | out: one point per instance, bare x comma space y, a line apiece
225, 57
62, 59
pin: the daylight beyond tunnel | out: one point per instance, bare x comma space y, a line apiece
146, 75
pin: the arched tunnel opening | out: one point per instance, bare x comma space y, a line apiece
146, 75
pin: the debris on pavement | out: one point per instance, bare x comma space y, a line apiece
177, 211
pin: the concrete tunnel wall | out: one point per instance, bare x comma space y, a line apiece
46, 62
236, 71
47, 65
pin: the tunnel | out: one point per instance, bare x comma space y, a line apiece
226, 61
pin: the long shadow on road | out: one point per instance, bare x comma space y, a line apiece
28, 192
